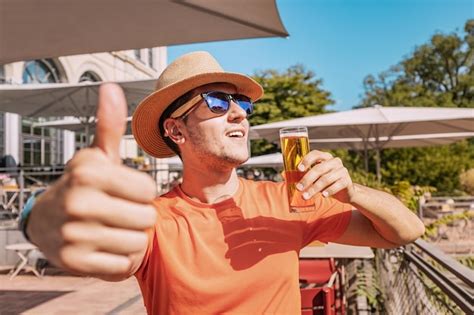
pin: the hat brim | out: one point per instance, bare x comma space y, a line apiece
147, 114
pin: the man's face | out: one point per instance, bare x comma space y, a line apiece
217, 139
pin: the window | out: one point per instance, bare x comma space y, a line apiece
89, 76
40, 146
2, 134
40, 71
2, 75
138, 54
81, 141
151, 58
2, 126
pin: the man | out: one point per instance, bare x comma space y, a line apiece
215, 243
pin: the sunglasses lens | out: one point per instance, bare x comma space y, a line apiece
244, 102
217, 102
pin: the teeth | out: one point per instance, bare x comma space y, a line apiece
236, 134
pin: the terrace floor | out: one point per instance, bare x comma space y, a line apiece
59, 293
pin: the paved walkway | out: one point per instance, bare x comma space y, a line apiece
65, 294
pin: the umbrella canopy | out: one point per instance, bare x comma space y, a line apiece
376, 122
55, 100
393, 142
71, 27
376, 127
74, 124
276, 159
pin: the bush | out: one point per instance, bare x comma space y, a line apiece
410, 195
467, 181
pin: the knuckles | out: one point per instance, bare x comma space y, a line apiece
67, 232
75, 203
66, 257
81, 176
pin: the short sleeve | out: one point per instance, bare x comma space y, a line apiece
141, 272
328, 222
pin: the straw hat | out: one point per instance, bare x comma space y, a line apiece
184, 74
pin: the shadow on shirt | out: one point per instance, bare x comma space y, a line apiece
250, 240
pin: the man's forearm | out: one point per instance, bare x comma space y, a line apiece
390, 218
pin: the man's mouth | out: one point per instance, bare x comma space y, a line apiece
235, 134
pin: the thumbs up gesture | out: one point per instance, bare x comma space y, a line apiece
93, 220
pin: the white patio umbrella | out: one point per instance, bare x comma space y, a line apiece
74, 124
58, 100
65, 99
31, 29
393, 142
276, 159
376, 126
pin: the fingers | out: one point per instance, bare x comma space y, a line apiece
336, 187
326, 181
114, 179
317, 171
83, 260
111, 120
87, 204
312, 158
105, 239
325, 174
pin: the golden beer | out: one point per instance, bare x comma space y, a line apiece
294, 146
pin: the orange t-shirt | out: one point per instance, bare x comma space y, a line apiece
237, 256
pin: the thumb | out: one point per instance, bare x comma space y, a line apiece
111, 120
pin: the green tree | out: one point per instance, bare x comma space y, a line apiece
295, 92
438, 73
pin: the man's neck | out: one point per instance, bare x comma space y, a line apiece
209, 186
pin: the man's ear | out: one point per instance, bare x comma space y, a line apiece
173, 130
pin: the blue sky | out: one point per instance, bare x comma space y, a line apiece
342, 41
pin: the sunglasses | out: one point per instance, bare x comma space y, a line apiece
217, 102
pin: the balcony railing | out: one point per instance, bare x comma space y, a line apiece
420, 279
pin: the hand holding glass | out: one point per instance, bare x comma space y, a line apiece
294, 146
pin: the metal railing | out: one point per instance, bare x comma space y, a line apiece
420, 279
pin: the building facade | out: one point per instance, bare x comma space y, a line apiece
32, 146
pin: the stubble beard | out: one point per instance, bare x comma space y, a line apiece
220, 157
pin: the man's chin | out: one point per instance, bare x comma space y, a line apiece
236, 159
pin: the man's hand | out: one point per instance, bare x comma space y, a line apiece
92, 220
380, 220
325, 174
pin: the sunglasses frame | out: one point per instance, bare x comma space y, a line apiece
185, 109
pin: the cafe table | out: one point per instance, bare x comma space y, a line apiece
22, 250
333, 250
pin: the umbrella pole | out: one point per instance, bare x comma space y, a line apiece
377, 155
366, 157
377, 158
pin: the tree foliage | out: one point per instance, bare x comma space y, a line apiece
295, 92
438, 73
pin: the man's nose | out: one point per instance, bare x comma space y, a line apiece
236, 112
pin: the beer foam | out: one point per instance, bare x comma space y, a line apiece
300, 134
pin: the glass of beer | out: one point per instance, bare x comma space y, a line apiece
294, 146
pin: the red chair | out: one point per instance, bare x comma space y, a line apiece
317, 280
317, 271
318, 301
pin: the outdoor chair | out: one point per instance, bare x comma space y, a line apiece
316, 271
318, 301
318, 286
